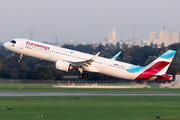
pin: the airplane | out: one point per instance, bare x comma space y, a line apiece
68, 60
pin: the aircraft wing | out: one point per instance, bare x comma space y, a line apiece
84, 65
87, 62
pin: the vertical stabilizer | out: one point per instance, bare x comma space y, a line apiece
161, 64
158, 67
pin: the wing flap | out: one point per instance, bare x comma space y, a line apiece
91, 69
85, 65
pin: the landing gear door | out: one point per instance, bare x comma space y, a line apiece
22, 44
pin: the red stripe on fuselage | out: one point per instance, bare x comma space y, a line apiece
152, 70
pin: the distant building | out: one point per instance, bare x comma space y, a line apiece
137, 42
167, 37
145, 42
152, 36
129, 42
111, 35
103, 43
83, 43
70, 41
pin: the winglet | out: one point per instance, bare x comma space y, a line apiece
115, 57
93, 58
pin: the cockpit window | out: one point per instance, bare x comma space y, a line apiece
13, 41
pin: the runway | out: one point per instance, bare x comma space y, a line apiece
38, 94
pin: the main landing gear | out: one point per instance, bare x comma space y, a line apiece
21, 56
81, 75
85, 75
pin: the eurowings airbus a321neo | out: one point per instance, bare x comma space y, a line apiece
67, 60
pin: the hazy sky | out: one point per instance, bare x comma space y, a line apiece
86, 20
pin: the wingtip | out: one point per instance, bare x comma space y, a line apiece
98, 54
95, 56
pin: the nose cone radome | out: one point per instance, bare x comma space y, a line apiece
5, 44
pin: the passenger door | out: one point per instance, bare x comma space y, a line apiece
22, 44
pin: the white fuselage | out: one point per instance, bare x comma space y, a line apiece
53, 53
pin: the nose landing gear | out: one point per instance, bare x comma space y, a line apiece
21, 56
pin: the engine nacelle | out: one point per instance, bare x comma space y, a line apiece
63, 65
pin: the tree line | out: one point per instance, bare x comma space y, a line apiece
33, 68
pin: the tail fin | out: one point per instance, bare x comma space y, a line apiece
161, 64
158, 67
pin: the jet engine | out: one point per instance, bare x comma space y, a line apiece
63, 65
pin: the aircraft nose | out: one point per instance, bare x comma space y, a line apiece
6, 45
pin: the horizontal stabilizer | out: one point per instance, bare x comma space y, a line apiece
163, 77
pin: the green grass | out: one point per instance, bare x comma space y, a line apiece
17, 87
90, 108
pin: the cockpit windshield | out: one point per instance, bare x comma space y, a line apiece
13, 41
